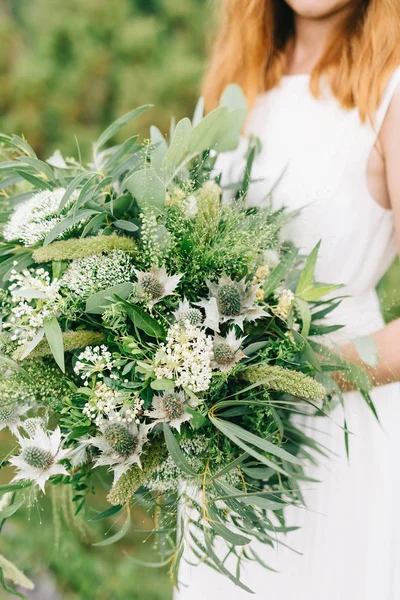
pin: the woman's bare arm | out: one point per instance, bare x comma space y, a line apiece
388, 338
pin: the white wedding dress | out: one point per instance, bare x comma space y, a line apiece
350, 537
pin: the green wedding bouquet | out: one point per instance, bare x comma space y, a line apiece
157, 336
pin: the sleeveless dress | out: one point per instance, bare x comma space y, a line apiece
349, 540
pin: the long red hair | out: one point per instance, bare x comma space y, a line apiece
255, 36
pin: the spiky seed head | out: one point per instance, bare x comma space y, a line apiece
223, 354
32, 424
152, 286
6, 413
118, 436
173, 406
230, 299
37, 458
194, 316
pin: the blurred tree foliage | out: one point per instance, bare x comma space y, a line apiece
70, 68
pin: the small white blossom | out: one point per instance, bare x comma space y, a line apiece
106, 400
86, 276
35, 298
186, 357
40, 457
286, 299
94, 360
33, 219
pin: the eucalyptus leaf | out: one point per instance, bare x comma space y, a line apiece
119, 123
147, 187
54, 338
118, 536
178, 148
176, 453
97, 303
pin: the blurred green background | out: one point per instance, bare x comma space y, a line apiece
67, 69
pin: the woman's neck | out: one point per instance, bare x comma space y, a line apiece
311, 36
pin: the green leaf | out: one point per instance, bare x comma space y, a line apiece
305, 314
66, 223
147, 187
233, 98
54, 338
162, 384
73, 185
223, 531
119, 123
307, 275
280, 272
198, 420
113, 510
160, 148
317, 291
176, 453
198, 112
307, 350
12, 487
35, 181
118, 536
10, 510
248, 449
221, 567
178, 148
97, 303
255, 440
142, 320
125, 225
206, 133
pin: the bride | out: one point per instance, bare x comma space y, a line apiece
322, 80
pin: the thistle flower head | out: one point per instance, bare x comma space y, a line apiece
121, 443
152, 286
227, 351
10, 416
185, 312
231, 301
40, 457
171, 407
33, 219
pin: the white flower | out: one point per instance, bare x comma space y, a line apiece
40, 457
121, 444
96, 360
231, 301
32, 424
171, 407
105, 400
227, 351
10, 416
186, 357
86, 276
35, 298
271, 258
185, 312
154, 285
33, 219
286, 299
191, 207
